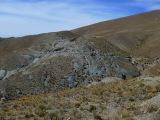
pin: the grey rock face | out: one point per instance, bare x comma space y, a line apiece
2, 74
150, 116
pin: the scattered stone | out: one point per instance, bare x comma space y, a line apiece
59, 49
73, 39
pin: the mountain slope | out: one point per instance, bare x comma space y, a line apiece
138, 34
37, 64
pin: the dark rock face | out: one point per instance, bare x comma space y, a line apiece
59, 61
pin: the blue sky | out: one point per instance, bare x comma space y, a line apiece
24, 17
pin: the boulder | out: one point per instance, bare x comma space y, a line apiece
2, 74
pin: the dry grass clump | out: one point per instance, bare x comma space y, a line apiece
41, 111
151, 108
84, 102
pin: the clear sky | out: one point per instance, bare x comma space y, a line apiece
24, 17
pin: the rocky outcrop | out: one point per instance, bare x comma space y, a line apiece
61, 62
149, 116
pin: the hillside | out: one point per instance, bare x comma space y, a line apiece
54, 68
54, 61
137, 34
132, 99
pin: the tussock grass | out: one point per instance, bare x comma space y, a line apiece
84, 102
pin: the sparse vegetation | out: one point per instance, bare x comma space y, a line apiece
85, 102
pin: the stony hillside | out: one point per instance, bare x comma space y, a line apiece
54, 61
127, 47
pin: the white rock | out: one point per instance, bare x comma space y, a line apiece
35, 60
2, 74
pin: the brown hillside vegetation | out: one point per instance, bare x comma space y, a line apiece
116, 100
138, 34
